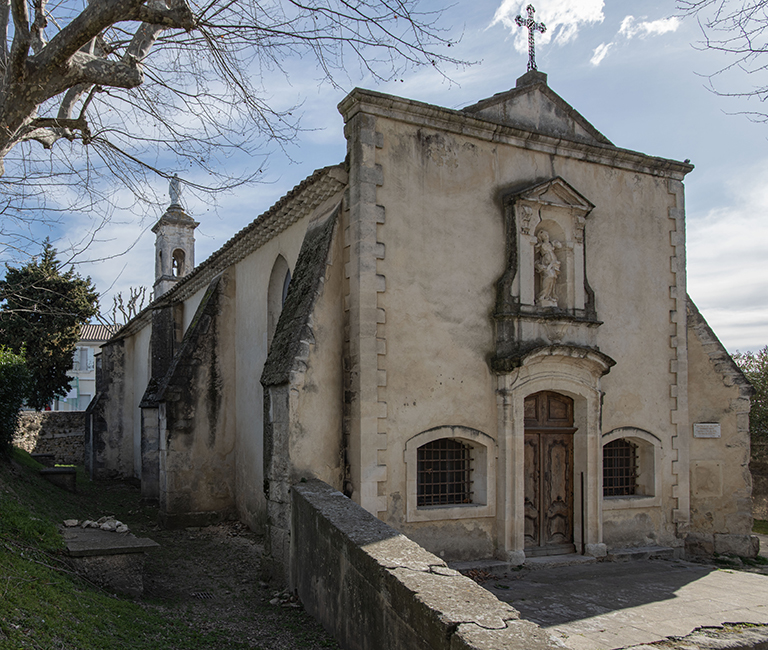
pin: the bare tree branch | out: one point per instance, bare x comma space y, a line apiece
113, 89
739, 30
38, 26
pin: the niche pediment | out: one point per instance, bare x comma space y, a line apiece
556, 193
544, 296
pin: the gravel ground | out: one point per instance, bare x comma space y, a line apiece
211, 579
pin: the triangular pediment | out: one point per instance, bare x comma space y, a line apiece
533, 106
556, 192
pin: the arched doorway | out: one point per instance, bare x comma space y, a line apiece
548, 474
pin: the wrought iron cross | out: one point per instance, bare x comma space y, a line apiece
532, 26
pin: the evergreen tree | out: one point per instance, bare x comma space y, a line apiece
755, 366
42, 312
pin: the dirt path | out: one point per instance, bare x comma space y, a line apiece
211, 578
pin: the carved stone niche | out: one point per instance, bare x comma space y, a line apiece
543, 298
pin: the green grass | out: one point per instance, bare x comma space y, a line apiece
44, 605
760, 526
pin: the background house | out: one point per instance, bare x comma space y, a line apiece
83, 373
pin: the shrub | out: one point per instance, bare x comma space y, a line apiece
14, 381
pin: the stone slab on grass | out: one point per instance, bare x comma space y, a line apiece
114, 561
63, 477
85, 542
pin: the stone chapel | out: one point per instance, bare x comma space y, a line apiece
476, 327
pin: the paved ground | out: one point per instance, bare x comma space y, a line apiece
608, 605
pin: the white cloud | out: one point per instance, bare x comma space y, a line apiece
728, 267
563, 19
631, 27
600, 52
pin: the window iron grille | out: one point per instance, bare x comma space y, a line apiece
444, 473
619, 468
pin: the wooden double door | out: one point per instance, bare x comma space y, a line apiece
548, 474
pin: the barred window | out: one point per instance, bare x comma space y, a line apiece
619, 468
444, 473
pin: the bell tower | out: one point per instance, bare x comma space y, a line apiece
174, 242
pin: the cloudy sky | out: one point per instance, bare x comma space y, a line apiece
631, 68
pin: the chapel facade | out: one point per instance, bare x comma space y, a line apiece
477, 327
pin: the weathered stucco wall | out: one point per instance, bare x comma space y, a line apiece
109, 441
316, 445
48, 432
302, 380
721, 504
253, 274
373, 588
444, 242
440, 230
196, 416
138, 356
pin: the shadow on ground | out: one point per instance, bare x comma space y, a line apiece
561, 595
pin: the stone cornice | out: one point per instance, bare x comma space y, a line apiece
460, 123
177, 217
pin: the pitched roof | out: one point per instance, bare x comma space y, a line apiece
97, 333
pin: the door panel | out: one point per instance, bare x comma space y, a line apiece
548, 474
532, 480
557, 492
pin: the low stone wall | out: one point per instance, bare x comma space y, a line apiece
759, 467
61, 433
373, 588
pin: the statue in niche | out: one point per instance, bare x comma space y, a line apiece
548, 268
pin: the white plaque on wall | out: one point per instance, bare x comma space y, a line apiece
706, 430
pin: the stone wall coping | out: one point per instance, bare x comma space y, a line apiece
462, 123
57, 470
430, 605
718, 355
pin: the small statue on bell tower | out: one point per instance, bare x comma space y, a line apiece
174, 190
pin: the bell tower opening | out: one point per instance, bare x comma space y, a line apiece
178, 263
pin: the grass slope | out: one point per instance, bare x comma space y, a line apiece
44, 605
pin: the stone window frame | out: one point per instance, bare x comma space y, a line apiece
648, 480
484, 452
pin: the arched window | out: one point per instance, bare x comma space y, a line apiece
178, 263
444, 473
276, 294
451, 474
619, 468
630, 464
